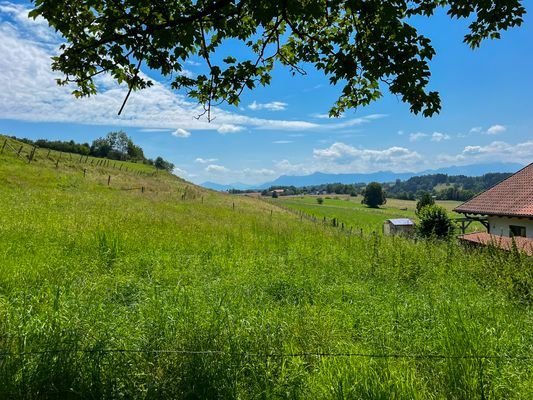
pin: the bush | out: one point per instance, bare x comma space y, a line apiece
319, 200
425, 200
434, 222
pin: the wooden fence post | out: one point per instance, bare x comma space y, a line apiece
32, 154
18, 153
108, 180
84, 172
142, 189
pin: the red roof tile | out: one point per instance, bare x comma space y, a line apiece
503, 242
511, 197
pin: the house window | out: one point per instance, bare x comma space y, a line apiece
515, 230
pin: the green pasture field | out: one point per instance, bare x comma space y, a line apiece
23, 151
352, 213
182, 293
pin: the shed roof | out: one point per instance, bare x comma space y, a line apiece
503, 242
400, 221
511, 197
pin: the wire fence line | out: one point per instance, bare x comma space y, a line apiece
333, 222
56, 156
274, 355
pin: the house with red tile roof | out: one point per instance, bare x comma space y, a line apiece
508, 207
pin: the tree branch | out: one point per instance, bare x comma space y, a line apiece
131, 87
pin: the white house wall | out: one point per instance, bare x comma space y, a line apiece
500, 225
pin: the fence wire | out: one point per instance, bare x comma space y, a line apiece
274, 355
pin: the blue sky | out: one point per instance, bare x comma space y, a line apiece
282, 129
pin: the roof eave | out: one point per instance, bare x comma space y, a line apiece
494, 214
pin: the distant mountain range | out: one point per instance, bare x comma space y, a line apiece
319, 178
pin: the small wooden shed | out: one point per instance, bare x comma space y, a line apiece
399, 226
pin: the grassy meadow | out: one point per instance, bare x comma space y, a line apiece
183, 293
352, 213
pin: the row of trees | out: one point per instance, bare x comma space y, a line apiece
64, 146
443, 186
330, 188
115, 146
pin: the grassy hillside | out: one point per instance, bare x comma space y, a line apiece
177, 292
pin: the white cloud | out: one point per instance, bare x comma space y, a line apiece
282, 141
435, 136
200, 160
272, 106
496, 129
259, 173
492, 130
179, 172
17, 15
214, 168
362, 160
29, 91
439, 137
181, 133
497, 151
286, 167
322, 116
413, 137
229, 128
357, 121
344, 158
155, 130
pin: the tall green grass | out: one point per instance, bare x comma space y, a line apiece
102, 289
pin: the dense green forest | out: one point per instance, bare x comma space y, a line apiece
444, 187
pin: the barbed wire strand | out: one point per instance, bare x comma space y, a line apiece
271, 355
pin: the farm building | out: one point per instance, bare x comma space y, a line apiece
507, 212
399, 226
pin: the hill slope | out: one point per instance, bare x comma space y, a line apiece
179, 292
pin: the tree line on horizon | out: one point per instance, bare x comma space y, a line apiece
115, 146
443, 186
440, 186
